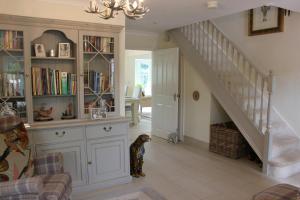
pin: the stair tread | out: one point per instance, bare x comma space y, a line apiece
284, 140
287, 158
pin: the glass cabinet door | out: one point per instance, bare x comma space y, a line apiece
12, 79
98, 69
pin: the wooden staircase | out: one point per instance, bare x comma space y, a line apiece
245, 92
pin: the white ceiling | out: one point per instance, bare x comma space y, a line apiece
168, 14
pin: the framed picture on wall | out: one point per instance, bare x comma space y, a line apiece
266, 20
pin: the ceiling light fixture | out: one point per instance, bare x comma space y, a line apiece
106, 9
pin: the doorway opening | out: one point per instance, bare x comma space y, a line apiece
138, 90
152, 95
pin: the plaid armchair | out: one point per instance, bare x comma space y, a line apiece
49, 183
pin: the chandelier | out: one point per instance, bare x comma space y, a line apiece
106, 9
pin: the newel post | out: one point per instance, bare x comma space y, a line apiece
268, 136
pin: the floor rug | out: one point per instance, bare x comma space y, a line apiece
142, 194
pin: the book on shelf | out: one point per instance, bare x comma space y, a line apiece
95, 81
11, 39
73, 84
1, 84
48, 81
94, 44
64, 83
11, 85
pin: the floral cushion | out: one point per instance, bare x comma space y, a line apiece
15, 153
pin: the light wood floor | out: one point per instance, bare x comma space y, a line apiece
188, 171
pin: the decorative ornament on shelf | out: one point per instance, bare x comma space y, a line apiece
43, 114
68, 114
133, 9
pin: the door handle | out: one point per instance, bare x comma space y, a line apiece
60, 135
176, 96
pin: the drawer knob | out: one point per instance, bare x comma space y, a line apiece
60, 135
107, 129
89, 162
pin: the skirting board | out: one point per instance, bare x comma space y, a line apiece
191, 141
102, 185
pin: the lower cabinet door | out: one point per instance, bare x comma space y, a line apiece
107, 159
74, 159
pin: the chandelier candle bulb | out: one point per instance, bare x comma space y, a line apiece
212, 4
141, 3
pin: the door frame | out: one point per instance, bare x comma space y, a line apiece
181, 103
181, 91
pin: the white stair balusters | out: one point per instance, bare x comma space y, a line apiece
250, 88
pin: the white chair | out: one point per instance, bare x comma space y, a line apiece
137, 93
126, 90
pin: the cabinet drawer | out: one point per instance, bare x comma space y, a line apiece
99, 131
57, 135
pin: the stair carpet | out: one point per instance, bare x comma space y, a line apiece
285, 149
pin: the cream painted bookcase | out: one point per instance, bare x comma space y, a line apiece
96, 152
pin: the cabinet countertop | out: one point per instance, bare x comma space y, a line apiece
74, 123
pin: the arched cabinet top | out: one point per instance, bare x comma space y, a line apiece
37, 32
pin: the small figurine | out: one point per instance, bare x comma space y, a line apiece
43, 114
68, 114
173, 138
137, 151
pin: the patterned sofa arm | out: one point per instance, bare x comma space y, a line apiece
33, 185
49, 164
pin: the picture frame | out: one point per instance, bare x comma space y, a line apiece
39, 50
64, 50
97, 113
266, 20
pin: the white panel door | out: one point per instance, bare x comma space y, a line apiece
165, 75
74, 159
107, 159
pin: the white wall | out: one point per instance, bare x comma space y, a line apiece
279, 52
140, 40
217, 112
122, 71
130, 56
44, 9
197, 113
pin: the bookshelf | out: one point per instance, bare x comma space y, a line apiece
12, 79
85, 78
54, 78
